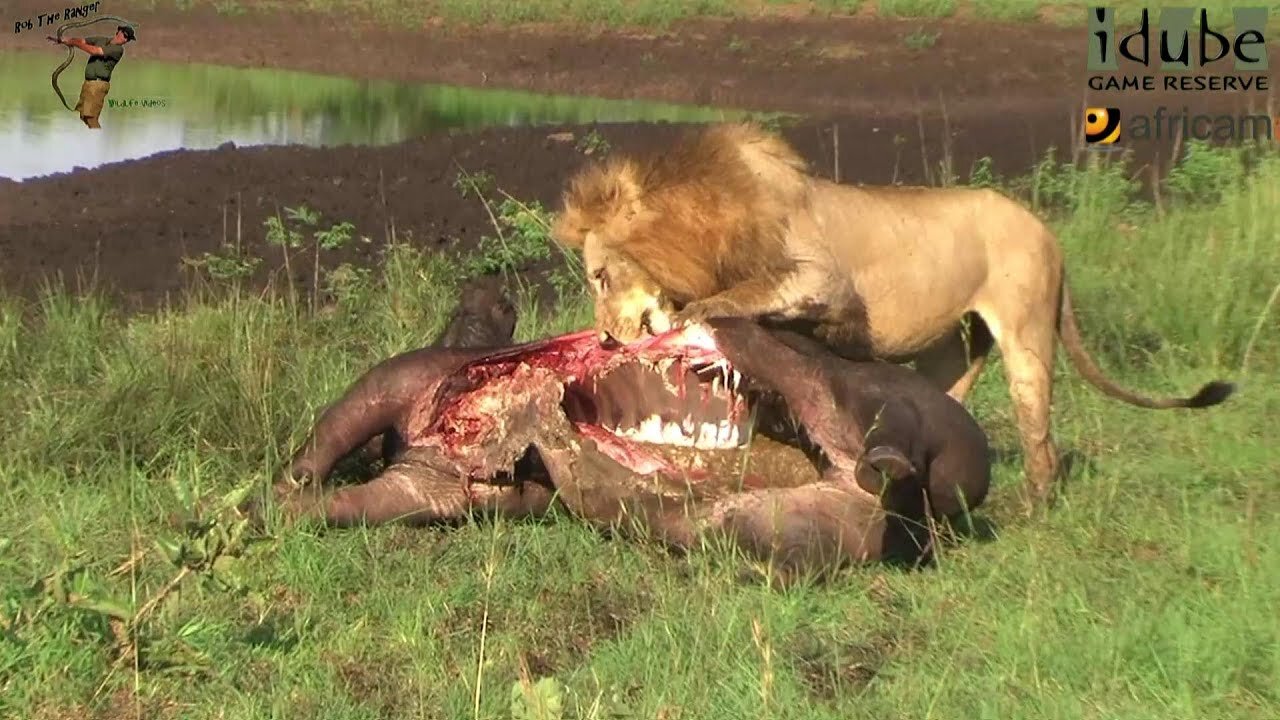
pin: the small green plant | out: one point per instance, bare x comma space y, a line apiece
983, 173
1205, 173
920, 39
917, 8
738, 45
228, 7
208, 549
593, 143
281, 235
540, 700
1007, 10
522, 240
478, 184
227, 265
1102, 187
349, 285
303, 214
335, 237
523, 236
844, 7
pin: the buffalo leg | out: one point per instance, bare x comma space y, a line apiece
413, 490
369, 408
817, 528
812, 528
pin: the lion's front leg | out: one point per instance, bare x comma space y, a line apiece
755, 299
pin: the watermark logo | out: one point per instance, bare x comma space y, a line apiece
126, 103
1188, 52
1101, 126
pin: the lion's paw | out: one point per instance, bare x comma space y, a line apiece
700, 311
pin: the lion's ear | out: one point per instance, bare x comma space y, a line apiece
617, 187
564, 234
625, 201
631, 209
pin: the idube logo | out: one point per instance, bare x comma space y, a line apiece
1189, 52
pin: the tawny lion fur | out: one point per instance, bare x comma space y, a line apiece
723, 202
729, 222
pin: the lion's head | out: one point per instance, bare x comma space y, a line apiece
602, 201
629, 303
660, 231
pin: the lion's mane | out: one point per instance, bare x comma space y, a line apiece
707, 214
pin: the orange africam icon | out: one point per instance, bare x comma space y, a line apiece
1101, 125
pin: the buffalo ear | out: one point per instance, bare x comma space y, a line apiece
883, 465
890, 461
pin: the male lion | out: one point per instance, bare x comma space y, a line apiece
730, 223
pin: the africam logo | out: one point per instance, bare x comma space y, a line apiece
1102, 126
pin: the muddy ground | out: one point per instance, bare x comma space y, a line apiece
1007, 91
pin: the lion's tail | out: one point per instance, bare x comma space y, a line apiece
1208, 395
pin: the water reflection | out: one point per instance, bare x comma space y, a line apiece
205, 106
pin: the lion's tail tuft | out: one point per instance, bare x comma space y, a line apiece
1210, 394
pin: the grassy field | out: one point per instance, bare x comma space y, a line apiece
1151, 592
663, 12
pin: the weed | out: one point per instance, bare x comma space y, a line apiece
1205, 173
920, 39
917, 8
847, 7
541, 700
592, 143
229, 7
1009, 10
226, 265
525, 243
474, 185
983, 173
523, 238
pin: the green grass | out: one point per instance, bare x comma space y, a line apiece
662, 13
1149, 593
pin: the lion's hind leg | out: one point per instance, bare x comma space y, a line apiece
954, 362
1027, 338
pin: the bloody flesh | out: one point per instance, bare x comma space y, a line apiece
651, 378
